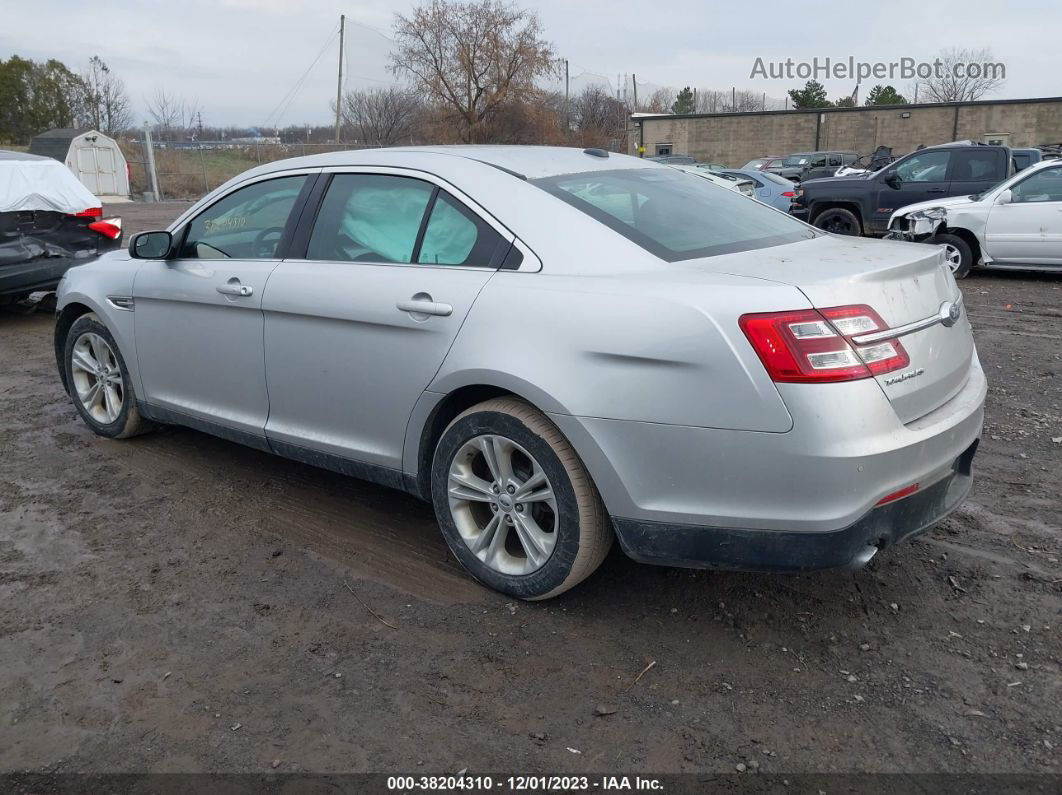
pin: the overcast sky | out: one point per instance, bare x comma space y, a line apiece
240, 58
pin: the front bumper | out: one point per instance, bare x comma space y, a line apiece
42, 274
692, 546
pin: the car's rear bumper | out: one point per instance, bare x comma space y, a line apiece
693, 546
42, 274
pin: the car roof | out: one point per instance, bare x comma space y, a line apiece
525, 162
6, 154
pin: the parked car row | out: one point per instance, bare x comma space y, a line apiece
555, 348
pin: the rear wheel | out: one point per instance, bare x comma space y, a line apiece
839, 221
957, 253
516, 505
99, 382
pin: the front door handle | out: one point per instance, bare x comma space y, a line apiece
241, 290
425, 307
935, 190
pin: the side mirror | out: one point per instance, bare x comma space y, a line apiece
151, 245
892, 179
1006, 197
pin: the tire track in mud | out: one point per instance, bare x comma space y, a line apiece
381, 534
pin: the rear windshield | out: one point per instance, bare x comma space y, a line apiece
673, 215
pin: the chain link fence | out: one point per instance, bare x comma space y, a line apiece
188, 170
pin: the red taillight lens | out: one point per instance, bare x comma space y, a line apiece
789, 194
815, 346
111, 228
91, 212
906, 491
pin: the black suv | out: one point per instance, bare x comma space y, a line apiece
802, 166
862, 203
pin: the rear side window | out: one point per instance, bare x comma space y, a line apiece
390, 219
835, 160
674, 215
246, 224
454, 235
976, 165
369, 218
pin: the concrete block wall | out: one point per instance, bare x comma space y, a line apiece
736, 138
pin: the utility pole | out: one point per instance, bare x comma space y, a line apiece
733, 99
634, 83
617, 85
567, 100
339, 83
149, 157
695, 100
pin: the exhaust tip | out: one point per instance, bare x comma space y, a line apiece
862, 558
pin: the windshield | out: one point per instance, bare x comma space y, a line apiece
795, 160
674, 216
754, 164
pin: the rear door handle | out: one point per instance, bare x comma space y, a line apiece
241, 290
935, 190
421, 307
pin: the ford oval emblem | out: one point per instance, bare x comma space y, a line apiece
950, 313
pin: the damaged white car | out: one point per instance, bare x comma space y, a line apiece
1015, 224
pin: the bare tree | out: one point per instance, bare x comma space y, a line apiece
961, 76
598, 116
172, 115
382, 116
105, 105
472, 57
659, 101
165, 112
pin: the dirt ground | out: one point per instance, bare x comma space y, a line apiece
181, 603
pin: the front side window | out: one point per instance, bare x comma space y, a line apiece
674, 215
927, 167
1043, 186
246, 224
835, 160
818, 161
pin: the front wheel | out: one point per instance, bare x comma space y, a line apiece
957, 253
98, 381
516, 505
839, 221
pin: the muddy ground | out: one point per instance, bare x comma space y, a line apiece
181, 603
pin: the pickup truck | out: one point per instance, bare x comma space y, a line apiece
862, 204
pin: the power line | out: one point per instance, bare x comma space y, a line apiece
273, 119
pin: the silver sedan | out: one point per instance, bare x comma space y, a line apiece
556, 347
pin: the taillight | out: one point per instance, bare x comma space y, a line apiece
789, 194
815, 346
111, 228
91, 212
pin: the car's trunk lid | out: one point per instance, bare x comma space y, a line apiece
902, 282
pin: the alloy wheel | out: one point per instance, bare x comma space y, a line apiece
97, 378
952, 256
503, 504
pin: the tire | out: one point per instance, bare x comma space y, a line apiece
569, 535
113, 411
957, 252
839, 221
